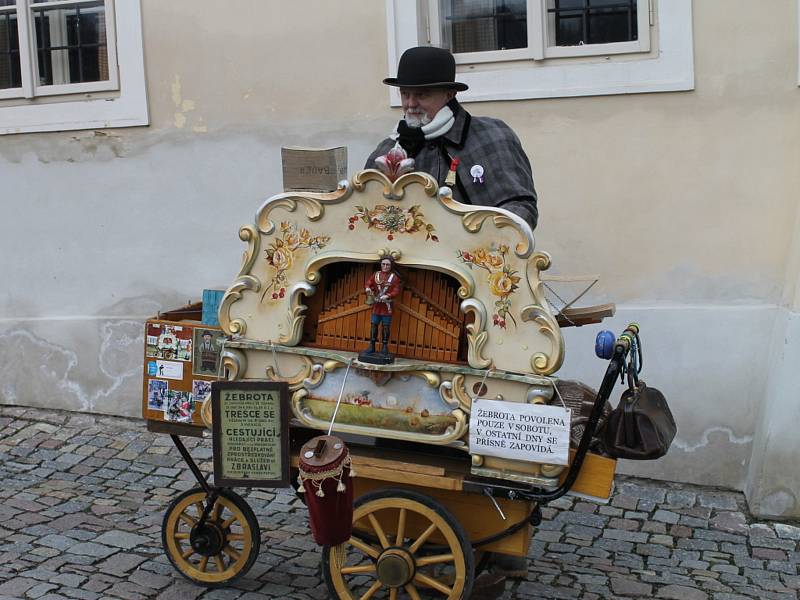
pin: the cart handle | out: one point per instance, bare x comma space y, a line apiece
622, 347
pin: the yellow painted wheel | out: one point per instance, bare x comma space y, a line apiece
404, 545
218, 551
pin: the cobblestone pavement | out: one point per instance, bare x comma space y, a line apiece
82, 498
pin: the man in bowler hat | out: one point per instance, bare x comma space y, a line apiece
489, 166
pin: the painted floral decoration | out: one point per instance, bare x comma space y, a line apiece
503, 281
281, 255
393, 220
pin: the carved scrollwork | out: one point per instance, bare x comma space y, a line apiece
234, 363
312, 202
249, 235
477, 337
234, 293
395, 190
473, 221
542, 363
455, 394
297, 380
296, 315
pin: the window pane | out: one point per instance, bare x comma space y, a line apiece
10, 76
481, 25
8, 2
71, 44
575, 22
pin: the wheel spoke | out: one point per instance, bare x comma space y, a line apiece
365, 568
375, 587
401, 528
433, 560
393, 594
228, 522
235, 537
232, 553
431, 582
181, 535
190, 520
215, 512
187, 553
364, 547
199, 506
412, 592
378, 530
220, 563
422, 538
203, 564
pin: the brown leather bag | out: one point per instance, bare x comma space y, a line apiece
642, 426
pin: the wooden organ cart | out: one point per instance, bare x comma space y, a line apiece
471, 322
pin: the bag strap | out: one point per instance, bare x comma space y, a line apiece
627, 413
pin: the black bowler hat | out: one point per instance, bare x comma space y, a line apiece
426, 66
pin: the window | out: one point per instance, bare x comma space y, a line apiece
501, 30
70, 64
67, 47
514, 49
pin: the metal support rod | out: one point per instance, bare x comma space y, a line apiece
198, 474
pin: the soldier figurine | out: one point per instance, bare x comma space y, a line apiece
382, 287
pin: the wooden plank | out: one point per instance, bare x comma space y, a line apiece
397, 465
418, 479
596, 477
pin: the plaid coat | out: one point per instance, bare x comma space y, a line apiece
490, 143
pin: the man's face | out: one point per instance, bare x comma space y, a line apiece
420, 105
386, 266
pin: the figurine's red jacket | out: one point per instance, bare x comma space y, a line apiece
380, 287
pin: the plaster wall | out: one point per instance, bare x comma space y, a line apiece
685, 203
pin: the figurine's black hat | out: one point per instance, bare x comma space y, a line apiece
426, 66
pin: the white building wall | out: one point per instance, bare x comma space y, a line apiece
684, 202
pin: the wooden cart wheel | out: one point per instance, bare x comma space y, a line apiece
219, 551
404, 545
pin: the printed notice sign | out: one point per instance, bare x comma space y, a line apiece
251, 445
532, 432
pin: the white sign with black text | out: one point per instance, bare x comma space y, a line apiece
532, 432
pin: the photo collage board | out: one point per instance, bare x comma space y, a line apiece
181, 359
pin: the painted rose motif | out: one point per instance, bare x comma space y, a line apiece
503, 281
280, 255
393, 220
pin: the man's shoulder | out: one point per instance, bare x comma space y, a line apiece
496, 126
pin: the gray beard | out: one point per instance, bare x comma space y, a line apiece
417, 120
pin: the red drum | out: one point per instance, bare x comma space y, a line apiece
325, 472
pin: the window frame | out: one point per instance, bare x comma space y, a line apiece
668, 66
29, 65
124, 106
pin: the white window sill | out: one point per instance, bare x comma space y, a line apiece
126, 109
668, 68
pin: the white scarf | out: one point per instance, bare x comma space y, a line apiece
441, 124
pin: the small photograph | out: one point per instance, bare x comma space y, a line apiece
172, 342
156, 394
168, 369
201, 390
207, 348
179, 406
